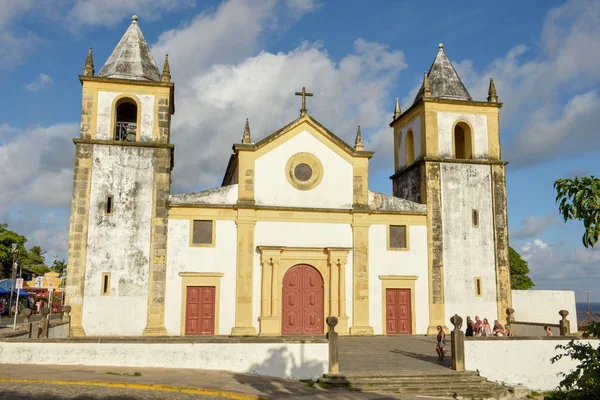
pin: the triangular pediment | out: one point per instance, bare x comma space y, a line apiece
316, 129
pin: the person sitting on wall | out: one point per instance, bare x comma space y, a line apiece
477, 326
498, 329
470, 328
440, 348
486, 329
548, 330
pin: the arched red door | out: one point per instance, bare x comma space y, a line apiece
302, 301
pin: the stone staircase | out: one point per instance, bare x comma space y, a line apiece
467, 385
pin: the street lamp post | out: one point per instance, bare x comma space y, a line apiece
12, 277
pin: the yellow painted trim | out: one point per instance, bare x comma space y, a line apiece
493, 134
290, 214
314, 164
127, 88
105, 290
200, 279
398, 282
478, 293
113, 115
138, 386
471, 135
214, 237
407, 229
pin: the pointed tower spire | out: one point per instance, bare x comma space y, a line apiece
246, 138
358, 144
397, 109
131, 58
166, 74
492, 95
426, 86
88, 70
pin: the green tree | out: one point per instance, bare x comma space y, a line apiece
59, 266
519, 270
579, 199
33, 260
7, 238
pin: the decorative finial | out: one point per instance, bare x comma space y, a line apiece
246, 138
426, 86
358, 144
88, 69
303, 93
166, 74
397, 109
441, 46
134, 19
492, 95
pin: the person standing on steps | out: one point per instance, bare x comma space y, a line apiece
440, 348
470, 327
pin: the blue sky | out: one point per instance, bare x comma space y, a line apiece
236, 59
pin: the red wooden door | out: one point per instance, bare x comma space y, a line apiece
398, 311
200, 310
302, 301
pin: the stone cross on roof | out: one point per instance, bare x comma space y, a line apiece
303, 93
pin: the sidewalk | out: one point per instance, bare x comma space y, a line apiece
220, 384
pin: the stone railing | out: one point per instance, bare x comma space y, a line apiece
43, 328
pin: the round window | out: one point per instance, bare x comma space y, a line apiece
303, 172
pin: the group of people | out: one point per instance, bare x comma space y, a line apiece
483, 328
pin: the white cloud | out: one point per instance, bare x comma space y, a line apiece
39, 83
532, 91
226, 81
15, 45
111, 12
558, 266
533, 226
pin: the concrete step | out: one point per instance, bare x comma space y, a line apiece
408, 381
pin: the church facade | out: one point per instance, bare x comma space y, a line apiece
293, 234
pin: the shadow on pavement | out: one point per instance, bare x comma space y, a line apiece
423, 357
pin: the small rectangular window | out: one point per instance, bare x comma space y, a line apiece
475, 218
105, 291
478, 290
108, 204
397, 237
202, 232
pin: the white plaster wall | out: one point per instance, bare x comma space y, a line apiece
468, 250
411, 262
183, 258
415, 126
300, 234
524, 362
542, 306
282, 360
104, 124
120, 243
480, 134
271, 186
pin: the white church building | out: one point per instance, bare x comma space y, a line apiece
293, 234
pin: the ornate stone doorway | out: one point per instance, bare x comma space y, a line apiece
303, 301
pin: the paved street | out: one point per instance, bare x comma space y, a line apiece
392, 354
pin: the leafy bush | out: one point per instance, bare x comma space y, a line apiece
583, 383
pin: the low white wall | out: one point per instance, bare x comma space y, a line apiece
282, 360
519, 361
542, 306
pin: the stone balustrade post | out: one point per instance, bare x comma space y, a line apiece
42, 331
66, 313
458, 344
332, 336
26, 325
564, 324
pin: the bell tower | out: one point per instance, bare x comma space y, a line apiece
123, 162
447, 155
